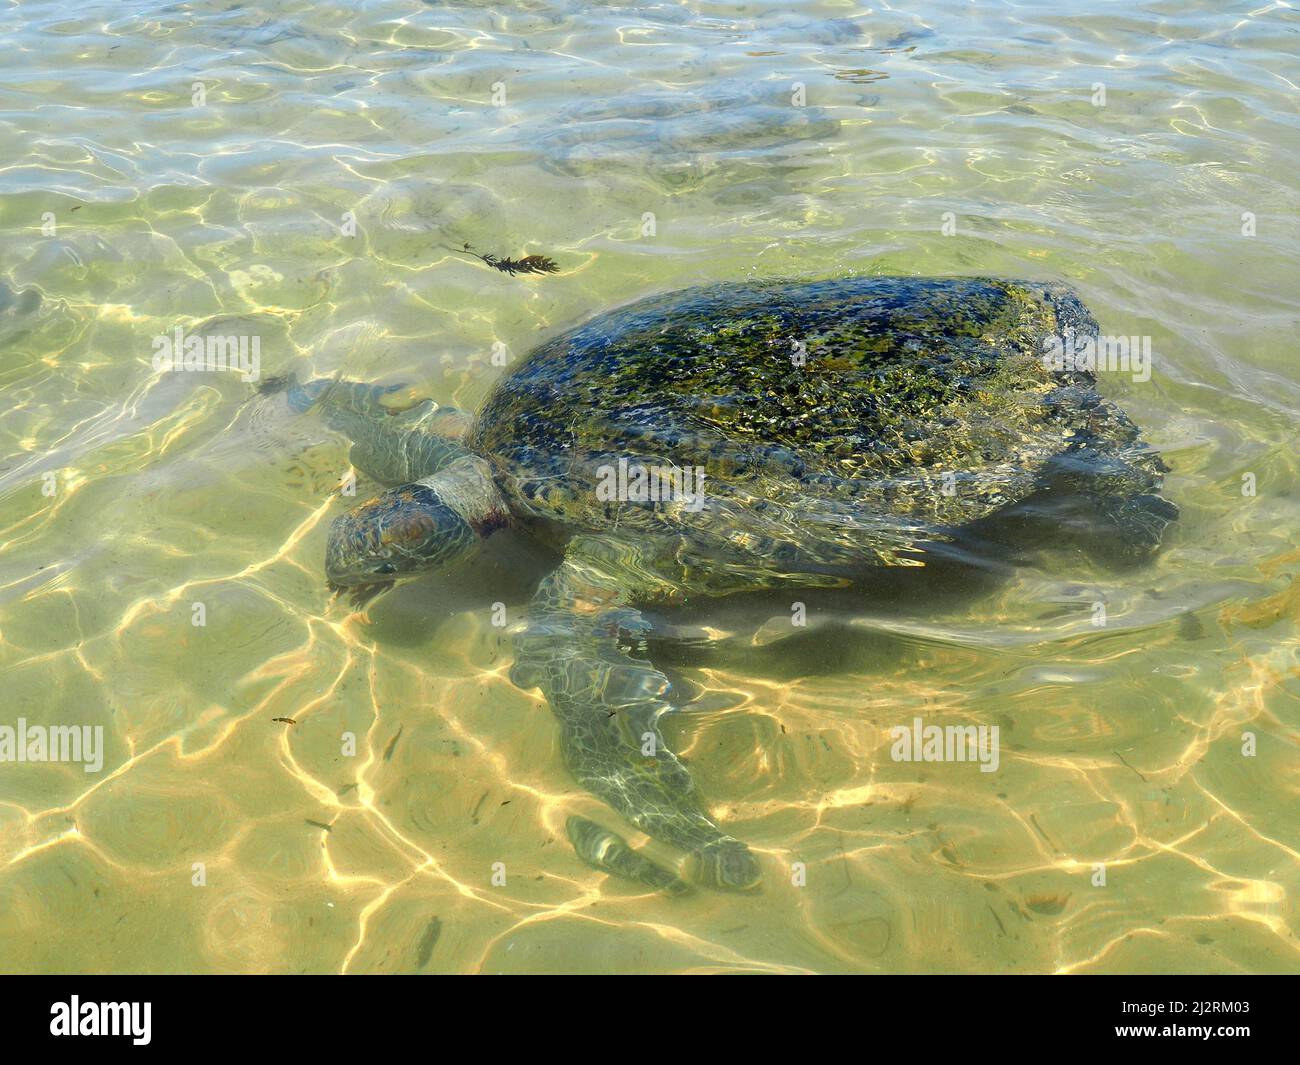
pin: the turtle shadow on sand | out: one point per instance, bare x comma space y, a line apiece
904, 438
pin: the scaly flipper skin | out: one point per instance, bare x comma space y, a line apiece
413, 445
608, 702
398, 435
1120, 478
608, 851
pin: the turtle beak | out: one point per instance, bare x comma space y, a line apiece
359, 595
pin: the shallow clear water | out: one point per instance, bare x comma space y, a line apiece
172, 165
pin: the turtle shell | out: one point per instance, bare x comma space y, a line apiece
819, 417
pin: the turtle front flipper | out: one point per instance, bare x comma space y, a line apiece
608, 851
582, 646
398, 434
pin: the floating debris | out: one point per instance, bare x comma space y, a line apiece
860, 76
529, 264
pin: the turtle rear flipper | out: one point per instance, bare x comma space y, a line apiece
1121, 488
1140, 522
581, 646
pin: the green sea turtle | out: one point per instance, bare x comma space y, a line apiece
725, 439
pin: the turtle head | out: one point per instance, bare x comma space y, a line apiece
434, 523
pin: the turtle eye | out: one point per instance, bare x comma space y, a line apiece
386, 567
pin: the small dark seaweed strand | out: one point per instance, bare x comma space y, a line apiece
392, 744
529, 264
424, 950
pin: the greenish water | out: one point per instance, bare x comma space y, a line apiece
304, 173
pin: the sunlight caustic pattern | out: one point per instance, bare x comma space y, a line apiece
311, 178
